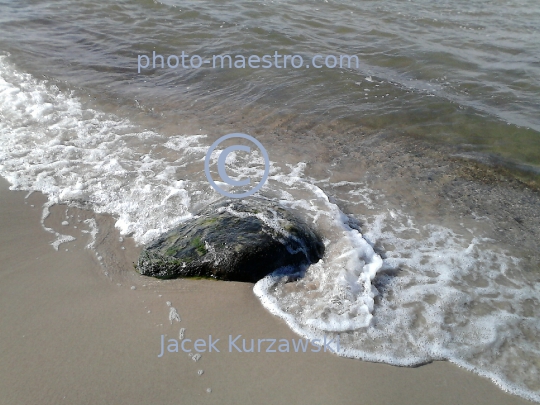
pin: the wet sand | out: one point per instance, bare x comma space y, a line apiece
71, 334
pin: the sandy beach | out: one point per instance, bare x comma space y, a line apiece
73, 334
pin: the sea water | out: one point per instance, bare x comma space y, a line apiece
81, 125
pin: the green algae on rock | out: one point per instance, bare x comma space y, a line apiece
235, 240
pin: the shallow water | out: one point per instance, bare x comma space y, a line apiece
408, 276
456, 71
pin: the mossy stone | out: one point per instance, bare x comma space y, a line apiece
237, 240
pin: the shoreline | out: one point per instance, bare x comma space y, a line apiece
81, 336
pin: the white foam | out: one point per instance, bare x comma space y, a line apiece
60, 238
50, 143
443, 295
91, 222
173, 315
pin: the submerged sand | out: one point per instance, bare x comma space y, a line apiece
75, 332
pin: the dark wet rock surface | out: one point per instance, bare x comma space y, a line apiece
236, 240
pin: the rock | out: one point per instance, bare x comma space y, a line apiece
236, 240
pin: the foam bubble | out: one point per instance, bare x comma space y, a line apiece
173, 315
